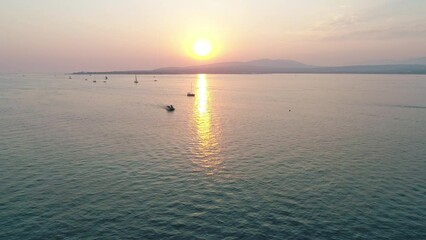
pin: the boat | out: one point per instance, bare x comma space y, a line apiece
190, 94
136, 79
69, 77
170, 108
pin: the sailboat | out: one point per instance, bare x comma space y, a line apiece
136, 79
190, 94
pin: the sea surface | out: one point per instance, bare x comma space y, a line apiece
249, 157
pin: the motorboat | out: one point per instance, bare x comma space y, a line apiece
170, 108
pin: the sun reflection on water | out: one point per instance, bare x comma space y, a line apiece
207, 147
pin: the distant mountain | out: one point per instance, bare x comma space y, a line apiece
256, 66
421, 61
265, 66
413, 61
279, 63
373, 69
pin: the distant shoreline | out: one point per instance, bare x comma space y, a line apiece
420, 71
342, 73
268, 66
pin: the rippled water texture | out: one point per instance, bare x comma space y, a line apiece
249, 157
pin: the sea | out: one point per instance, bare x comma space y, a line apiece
275, 156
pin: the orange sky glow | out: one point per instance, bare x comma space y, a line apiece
98, 35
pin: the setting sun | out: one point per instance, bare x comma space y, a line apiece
202, 48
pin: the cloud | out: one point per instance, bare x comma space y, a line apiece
340, 20
400, 31
362, 22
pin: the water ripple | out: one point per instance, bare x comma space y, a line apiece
86, 161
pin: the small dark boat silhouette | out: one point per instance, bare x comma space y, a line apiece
170, 108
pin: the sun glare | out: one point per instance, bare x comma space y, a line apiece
202, 48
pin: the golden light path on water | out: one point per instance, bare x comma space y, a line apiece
207, 147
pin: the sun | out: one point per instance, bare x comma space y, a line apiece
202, 48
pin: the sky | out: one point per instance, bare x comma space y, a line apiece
103, 35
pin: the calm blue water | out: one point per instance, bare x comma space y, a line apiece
250, 157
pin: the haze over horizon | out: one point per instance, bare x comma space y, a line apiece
53, 36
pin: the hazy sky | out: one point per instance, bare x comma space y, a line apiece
73, 35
